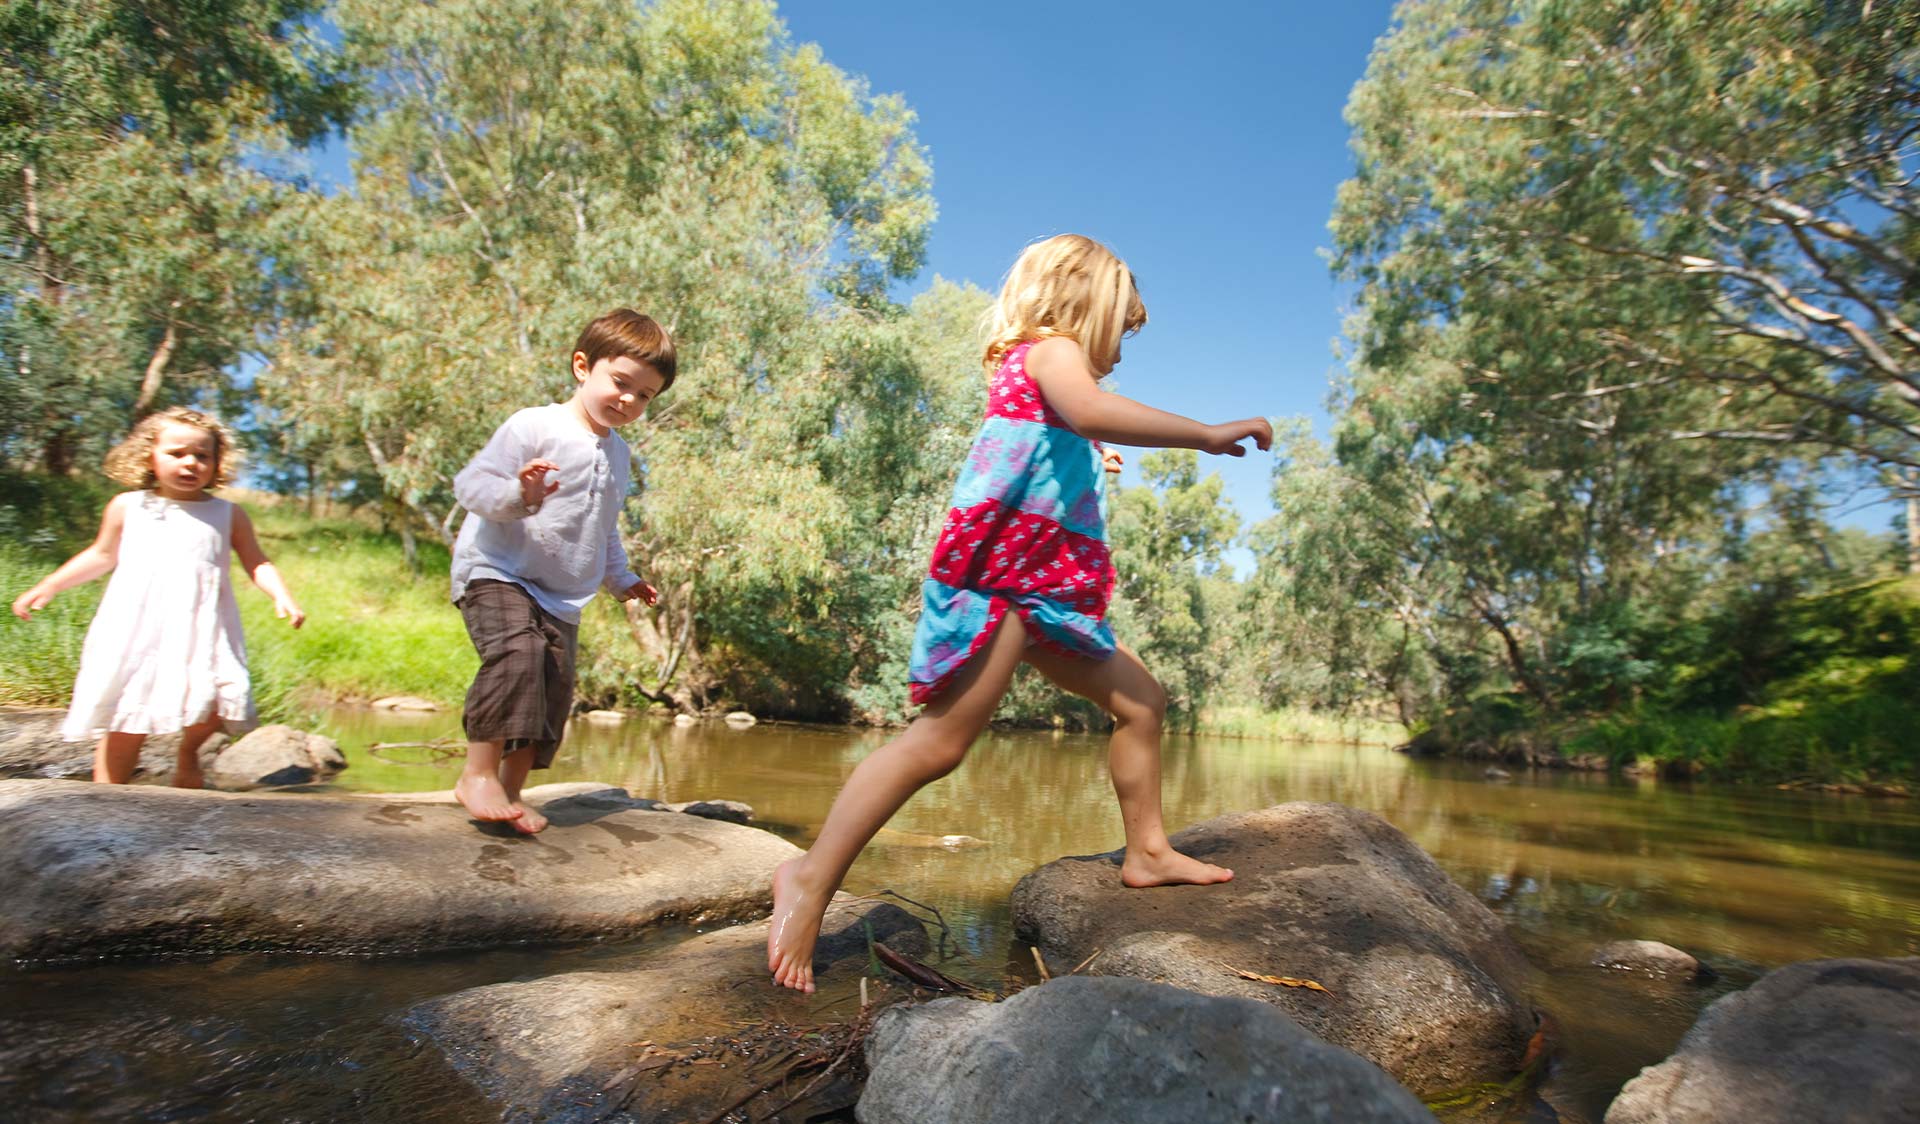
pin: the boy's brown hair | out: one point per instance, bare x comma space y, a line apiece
131, 461
634, 335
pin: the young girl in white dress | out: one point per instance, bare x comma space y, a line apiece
164, 653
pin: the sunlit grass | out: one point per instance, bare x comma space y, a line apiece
1297, 725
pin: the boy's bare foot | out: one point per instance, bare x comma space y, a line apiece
484, 797
1169, 868
528, 821
794, 928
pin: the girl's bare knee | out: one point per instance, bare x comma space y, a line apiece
1142, 705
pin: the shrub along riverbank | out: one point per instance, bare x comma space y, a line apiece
1826, 689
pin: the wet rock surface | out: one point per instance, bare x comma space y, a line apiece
692, 1030
136, 871
1811, 1043
1421, 978
1116, 1050
1650, 958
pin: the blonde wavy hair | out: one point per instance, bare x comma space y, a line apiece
1068, 285
131, 461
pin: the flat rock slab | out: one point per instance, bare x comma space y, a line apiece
1816, 1042
1119, 1051
113, 871
1422, 979
1650, 958
679, 1037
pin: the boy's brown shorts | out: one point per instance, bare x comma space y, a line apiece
524, 689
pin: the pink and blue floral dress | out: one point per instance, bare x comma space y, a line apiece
1025, 533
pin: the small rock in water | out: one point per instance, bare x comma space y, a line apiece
684, 720
740, 718
605, 716
1495, 773
404, 702
1651, 958
272, 756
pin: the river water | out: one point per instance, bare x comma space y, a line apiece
1746, 878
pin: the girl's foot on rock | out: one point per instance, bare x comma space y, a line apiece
528, 821
794, 928
1169, 868
483, 797
184, 779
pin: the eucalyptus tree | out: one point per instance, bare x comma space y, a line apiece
526, 165
1705, 208
137, 188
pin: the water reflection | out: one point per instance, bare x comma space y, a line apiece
1746, 878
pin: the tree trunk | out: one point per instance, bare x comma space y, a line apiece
157, 366
1913, 532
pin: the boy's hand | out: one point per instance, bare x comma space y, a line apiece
1226, 437
643, 591
534, 487
1110, 459
31, 602
288, 610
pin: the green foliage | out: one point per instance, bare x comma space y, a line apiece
136, 204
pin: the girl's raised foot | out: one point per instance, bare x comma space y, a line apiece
527, 821
794, 928
484, 797
188, 778
1170, 868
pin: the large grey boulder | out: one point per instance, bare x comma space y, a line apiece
1422, 979
676, 1037
275, 755
1816, 1042
115, 870
30, 746
1117, 1051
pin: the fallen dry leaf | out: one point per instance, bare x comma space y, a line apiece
1281, 981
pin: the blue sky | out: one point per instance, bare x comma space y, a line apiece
1203, 142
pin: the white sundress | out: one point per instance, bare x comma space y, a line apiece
165, 651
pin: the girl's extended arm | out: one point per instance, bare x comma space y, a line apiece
247, 546
1067, 381
96, 560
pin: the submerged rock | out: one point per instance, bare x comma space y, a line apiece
112, 871
1650, 958
405, 702
1815, 1042
1118, 1051
665, 1041
1421, 978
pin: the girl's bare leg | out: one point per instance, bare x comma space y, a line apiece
514, 768
186, 768
929, 749
116, 756
1123, 687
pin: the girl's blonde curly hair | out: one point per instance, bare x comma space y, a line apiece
1068, 285
131, 461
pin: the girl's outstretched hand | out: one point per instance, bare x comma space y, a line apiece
1225, 438
288, 610
31, 602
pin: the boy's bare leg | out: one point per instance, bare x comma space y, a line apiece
479, 787
929, 749
186, 767
514, 768
116, 756
1123, 687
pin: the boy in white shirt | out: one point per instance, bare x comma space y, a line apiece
542, 535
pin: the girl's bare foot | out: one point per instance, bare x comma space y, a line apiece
794, 928
528, 821
484, 797
185, 778
1169, 868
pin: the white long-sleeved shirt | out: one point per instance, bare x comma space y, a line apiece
566, 547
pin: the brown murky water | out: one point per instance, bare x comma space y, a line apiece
1747, 879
